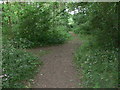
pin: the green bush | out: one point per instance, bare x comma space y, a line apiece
18, 66
97, 57
58, 35
36, 27
34, 24
53, 36
82, 28
99, 66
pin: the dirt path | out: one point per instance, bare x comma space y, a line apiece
58, 70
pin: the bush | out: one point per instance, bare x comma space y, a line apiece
82, 28
18, 66
58, 35
99, 66
36, 27
33, 24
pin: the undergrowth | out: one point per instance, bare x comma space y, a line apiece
99, 66
18, 66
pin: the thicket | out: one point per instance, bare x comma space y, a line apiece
28, 25
97, 57
18, 66
37, 24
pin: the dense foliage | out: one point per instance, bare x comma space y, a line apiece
98, 56
99, 66
28, 25
18, 66
35, 24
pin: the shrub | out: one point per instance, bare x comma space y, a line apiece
18, 66
36, 27
99, 66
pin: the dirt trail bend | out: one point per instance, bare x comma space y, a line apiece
58, 70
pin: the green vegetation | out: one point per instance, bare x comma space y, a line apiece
98, 54
18, 66
99, 66
37, 24
28, 25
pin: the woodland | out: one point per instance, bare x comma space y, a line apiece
29, 25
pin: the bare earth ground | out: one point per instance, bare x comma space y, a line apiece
58, 70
